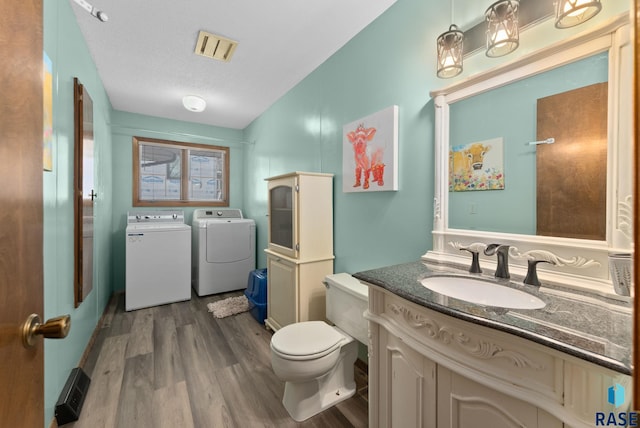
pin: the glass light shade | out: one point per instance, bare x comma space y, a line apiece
502, 28
449, 46
570, 13
194, 103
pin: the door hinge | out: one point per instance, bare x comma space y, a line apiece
297, 247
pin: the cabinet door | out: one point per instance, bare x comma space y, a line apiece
407, 386
282, 304
463, 403
282, 216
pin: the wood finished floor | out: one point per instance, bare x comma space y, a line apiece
177, 366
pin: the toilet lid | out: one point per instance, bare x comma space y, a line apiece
305, 338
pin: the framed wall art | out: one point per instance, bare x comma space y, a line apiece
370, 152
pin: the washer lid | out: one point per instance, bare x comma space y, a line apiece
306, 338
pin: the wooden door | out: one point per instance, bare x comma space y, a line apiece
636, 204
21, 277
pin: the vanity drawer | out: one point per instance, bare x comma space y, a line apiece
495, 358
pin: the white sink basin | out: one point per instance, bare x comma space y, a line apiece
482, 292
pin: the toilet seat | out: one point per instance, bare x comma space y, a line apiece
306, 340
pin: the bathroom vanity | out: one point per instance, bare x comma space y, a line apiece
437, 361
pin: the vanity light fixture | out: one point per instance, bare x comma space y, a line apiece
194, 103
450, 50
449, 47
502, 28
570, 13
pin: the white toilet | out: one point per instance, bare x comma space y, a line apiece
316, 359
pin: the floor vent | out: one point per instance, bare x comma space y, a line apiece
72, 397
216, 47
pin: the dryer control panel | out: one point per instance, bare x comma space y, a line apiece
222, 213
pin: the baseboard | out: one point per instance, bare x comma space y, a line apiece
108, 312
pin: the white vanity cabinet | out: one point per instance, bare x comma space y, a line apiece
407, 385
300, 247
465, 403
428, 369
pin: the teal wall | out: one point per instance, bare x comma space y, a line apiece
126, 125
65, 46
391, 62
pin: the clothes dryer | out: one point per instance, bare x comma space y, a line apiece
158, 255
223, 250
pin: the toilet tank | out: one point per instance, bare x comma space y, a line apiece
347, 299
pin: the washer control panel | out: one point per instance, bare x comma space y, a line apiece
156, 216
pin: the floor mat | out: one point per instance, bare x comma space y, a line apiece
230, 306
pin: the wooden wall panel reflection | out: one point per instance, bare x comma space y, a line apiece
572, 172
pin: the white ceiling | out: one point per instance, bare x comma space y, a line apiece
145, 54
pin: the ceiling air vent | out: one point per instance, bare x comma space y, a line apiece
216, 47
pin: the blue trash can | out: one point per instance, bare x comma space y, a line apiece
256, 293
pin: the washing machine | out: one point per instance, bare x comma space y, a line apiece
223, 250
158, 258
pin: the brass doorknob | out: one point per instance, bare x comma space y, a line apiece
54, 328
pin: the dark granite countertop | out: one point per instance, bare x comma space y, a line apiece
589, 327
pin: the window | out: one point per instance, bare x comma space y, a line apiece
169, 173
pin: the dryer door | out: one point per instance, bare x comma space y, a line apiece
228, 242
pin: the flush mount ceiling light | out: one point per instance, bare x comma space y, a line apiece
449, 47
570, 13
502, 28
194, 103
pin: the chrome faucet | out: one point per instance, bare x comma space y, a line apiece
502, 253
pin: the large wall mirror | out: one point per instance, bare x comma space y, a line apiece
84, 194
501, 160
536, 154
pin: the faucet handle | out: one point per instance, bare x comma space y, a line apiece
534, 257
532, 273
474, 249
475, 260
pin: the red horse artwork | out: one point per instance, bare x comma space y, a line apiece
373, 145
